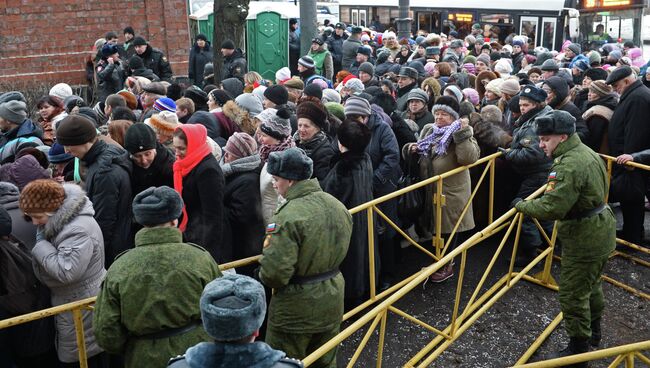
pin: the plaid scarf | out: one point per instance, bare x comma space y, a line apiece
440, 138
265, 149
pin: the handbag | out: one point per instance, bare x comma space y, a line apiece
410, 204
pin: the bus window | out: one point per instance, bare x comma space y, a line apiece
459, 22
548, 32
529, 28
497, 26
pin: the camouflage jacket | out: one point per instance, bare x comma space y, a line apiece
308, 235
149, 289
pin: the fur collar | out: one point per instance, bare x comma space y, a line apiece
74, 204
218, 354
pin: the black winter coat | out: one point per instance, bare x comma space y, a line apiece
629, 131
320, 150
155, 60
350, 181
335, 47
108, 185
244, 227
234, 66
198, 58
160, 172
203, 190
145, 72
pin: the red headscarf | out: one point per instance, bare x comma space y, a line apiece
197, 149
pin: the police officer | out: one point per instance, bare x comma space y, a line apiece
574, 196
153, 59
305, 243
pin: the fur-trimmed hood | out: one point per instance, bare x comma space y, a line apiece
75, 204
480, 88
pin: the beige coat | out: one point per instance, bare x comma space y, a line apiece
463, 150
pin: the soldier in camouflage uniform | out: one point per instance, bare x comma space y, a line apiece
306, 241
574, 196
148, 307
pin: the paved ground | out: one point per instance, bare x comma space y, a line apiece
504, 333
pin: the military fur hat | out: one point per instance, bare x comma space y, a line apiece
291, 164
557, 122
232, 307
157, 206
533, 93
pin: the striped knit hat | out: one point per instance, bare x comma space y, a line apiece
307, 62
241, 145
600, 88
165, 104
275, 123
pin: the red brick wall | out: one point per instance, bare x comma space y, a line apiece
48, 41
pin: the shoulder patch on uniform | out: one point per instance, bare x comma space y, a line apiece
272, 228
100, 68
164, 58
557, 160
550, 186
552, 175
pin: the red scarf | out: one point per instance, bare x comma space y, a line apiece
197, 149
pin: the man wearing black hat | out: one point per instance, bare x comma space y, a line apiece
148, 307
350, 48
629, 137
294, 45
234, 63
363, 55
110, 72
152, 162
575, 192
154, 59
335, 45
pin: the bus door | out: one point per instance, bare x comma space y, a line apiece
541, 31
428, 21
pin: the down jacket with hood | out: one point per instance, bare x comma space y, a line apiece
562, 101
69, 259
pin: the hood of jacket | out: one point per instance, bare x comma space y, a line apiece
74, 204
379, 115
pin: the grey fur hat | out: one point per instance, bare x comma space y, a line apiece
418, 94
232, 307
291, 164
156, 206
557, 122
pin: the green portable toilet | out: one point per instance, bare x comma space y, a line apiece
267, 43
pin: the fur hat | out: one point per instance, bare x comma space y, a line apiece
407, 71
533, 93
557, 122
41, 196
447, 104
250, 103
130, 98
600, 88
432, 50
291, 164
157, 88
75, 130
596, 74
109, 49
241, 145
312, 112
138, 138
277, 94
164, 122
14, 96
364, 50
492, 114
13, 111
354, 136
357, 106
233, 307
418, 94
513, 104
275, 123
157, 206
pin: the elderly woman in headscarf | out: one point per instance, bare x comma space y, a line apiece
445, 145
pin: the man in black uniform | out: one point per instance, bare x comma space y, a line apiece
335, 45
153, 59
234, 63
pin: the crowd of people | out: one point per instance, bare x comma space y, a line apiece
137, 198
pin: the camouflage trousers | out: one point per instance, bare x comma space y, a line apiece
299, 345
581, 294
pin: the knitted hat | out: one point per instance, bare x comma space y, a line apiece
331, 95
313, 112
109, 49
75, 130
557, 122
228, 45
618, 74
484, 58
549, 66
283, 74
220, 96
533, 93
364, 50
13, 111
408, 72
447, 104
139, 41
138, 138
355, 84
600, 88
250, 103
367, 68
157, 206
157, 88
277, 94
290, 164
510, 86
41, 196
23, 171
165, 104
418, 94
232, 307
558, 85
596, 74
471, 95
57, 154
503, 66
295, 83
313, 90
61, 90
307, 62
357, 106
275, 123
130, 98
494, 86
469, 59
470, 68
335, 109
575, 48
164, 122
241, 145
594, 57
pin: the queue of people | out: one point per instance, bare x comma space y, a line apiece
138, 198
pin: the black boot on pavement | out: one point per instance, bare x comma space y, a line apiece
577, 345
596, 333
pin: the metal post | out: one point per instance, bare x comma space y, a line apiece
371, 253
81, 340
308, 24
403, 22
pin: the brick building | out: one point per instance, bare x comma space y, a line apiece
50, 41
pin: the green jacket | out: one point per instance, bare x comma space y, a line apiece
148, 289
308, 235
576, 184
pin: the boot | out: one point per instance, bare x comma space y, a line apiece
577, 345
524, 257
596, 333
443, 274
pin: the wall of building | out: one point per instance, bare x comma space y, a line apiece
49, 41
